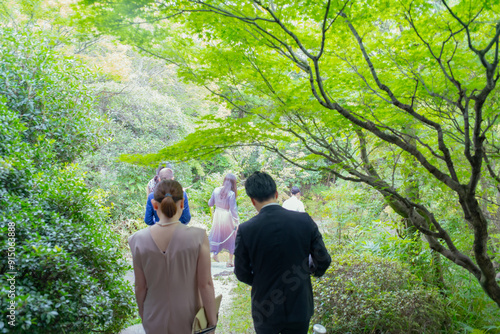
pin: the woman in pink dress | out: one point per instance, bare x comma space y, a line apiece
225, 221
172, 268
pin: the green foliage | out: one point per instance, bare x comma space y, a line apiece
12, 161
69, 268
342, 207
49, 92
216, 165
469, 309
361, 293
270, 97
368, 225
67, 263
386, 236
400, 96
146, 110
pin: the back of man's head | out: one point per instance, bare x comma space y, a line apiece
260, 186
166, 174
295, 190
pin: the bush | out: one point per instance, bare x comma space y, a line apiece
361, 293
69, 269
49, 92
61, 266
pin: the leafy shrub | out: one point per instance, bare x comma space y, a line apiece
55, 243
367, 294
467, 305
69, 268
342, 206
49, 92
146, 111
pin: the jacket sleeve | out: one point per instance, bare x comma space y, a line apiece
319, 254
149, 216
186, 214
242, 265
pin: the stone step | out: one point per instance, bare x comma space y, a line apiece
136, 329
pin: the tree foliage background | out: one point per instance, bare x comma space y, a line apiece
383, 113
354, 85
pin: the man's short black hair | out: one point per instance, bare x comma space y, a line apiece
260, 186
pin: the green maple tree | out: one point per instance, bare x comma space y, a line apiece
386, 93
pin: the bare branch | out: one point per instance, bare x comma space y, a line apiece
492, 173
466, 26
170, 61
325, 28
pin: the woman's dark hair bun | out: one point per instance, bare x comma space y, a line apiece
168, 193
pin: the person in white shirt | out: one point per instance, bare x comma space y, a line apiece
294, 203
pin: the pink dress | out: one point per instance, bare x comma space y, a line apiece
223, 234
172, 298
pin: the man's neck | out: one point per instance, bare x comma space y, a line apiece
260, 205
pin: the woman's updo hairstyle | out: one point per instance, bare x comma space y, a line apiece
168, 193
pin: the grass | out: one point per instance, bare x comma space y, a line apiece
239, 320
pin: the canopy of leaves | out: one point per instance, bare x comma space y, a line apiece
395, 95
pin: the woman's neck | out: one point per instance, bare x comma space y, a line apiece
169, 221
165, 223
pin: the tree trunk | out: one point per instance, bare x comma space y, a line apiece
487, 276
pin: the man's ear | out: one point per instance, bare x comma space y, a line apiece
182, 204
276, 194
253, 201
156, 205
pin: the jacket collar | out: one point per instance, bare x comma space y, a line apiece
270, 206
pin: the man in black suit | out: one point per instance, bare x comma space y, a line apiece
276, 252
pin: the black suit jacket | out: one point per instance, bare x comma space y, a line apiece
272, 255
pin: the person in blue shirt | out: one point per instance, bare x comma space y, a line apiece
150, 218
